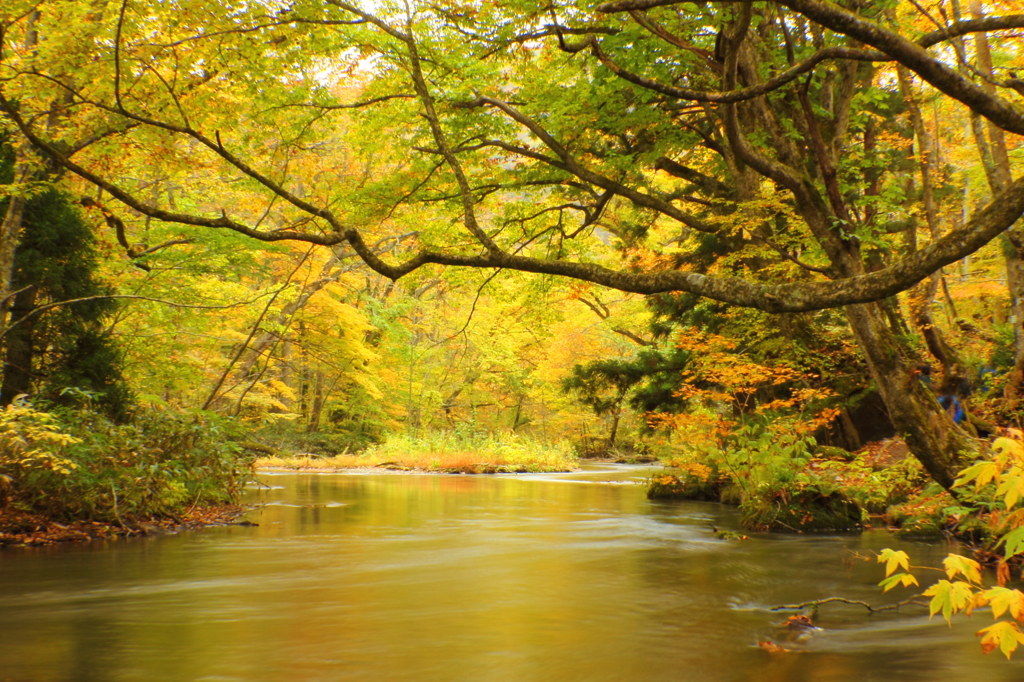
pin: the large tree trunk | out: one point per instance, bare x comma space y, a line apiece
921, 298
616, 416
928, 429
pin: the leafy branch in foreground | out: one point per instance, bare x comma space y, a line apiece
963, 589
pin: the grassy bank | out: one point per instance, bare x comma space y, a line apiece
451, 452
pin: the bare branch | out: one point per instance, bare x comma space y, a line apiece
133, 297
742, 94
842, 600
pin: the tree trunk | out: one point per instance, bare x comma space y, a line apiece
318, 404
615, 426
848, 430
10, 228
286, 372
18, 358
10, 236
996, 162
923, 294
928, 430
921, 298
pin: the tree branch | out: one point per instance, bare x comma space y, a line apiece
842, 600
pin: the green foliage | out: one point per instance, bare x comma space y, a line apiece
876, 491
90, 360
57, 260
928, 512
32, 443
651, 380
769, 475
688, 486
344, 432
79, 464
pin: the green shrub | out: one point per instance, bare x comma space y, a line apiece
877, 491
78, 464
686, 487
768, 474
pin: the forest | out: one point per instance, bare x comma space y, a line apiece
774, 247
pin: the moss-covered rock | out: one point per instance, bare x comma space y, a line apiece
833, 452
808, 510
923, 515
685, 487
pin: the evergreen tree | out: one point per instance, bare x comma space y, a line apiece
47, 351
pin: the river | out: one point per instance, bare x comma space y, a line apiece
559, 577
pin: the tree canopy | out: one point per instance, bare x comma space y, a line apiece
563, 109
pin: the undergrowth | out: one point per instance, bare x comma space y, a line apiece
74, 463
770, 476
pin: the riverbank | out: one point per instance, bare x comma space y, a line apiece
23, 529
463, 451
446, 465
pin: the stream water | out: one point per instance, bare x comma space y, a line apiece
434, 577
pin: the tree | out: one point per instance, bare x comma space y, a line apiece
547, 132
53, 343
648, 382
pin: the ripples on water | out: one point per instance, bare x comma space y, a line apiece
424, 577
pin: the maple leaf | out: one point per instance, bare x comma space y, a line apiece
1003, 599
894, 559
1013, 542
969, 568
1011, 488
1005, 635
949, 598
892, 581
981, 473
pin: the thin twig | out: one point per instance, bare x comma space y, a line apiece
223, 377
85, 299
116, 514
843, 600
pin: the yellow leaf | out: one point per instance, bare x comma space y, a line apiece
1002, 600
949, 598
969, 568
894, 559
1005, 635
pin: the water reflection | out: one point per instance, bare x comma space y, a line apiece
416, 577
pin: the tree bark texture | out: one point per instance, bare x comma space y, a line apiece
929, 431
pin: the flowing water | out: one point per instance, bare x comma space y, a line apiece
432, 577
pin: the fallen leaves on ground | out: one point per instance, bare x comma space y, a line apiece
27, 529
